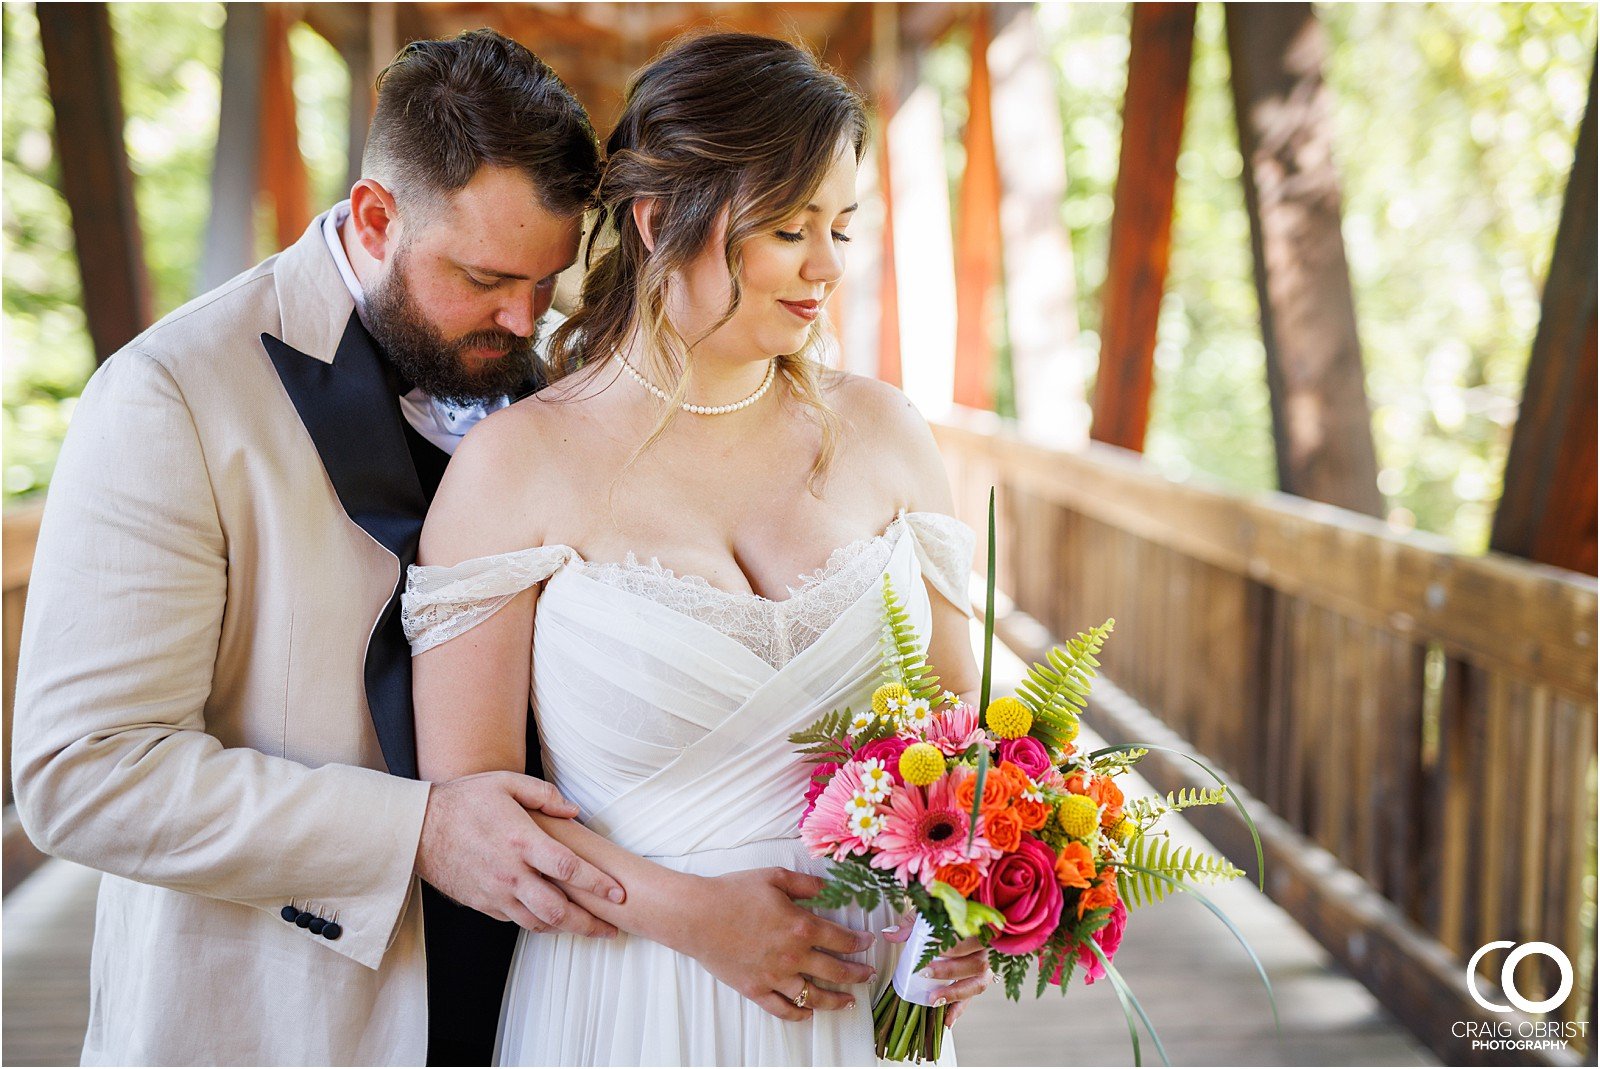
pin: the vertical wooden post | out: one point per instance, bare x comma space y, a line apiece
886, 76
230, 234
282, 172
1322, 426
1141, 221
1547, 510
81, 67
978, 248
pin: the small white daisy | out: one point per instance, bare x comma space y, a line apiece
918, 714
876, 780
866, 826
862, 721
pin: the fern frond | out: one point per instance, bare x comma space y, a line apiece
1056, 691
1146, 811
904, 659
1181, 863
828, 728
1117, 762
857, 883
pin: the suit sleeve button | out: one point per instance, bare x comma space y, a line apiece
317, 926
289, 913
332, 931
305, 919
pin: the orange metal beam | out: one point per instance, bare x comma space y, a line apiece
1141, 220
978, 248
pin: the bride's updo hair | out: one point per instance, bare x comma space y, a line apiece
726, 121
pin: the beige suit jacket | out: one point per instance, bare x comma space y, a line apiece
192, 712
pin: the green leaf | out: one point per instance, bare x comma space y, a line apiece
1255, 836
1157, 854
1056, 691
968, 918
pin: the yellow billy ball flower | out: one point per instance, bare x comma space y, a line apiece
889, 692
1078, 815
1123, 831
1009, 718
921, 764
1072, 730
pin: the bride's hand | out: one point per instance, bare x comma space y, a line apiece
966, 963
749, 933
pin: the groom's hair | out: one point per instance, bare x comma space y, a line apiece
446, 108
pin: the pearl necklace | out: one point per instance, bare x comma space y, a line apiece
703, 410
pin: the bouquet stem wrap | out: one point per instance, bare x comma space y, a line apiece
909, 983
908, 1026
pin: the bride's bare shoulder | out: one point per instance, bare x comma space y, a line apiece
884, 429
499, 486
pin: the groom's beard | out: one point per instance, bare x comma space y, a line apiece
425, 358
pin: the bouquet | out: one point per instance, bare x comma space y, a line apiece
988, 821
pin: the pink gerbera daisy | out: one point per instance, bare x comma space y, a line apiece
926, 828
843, 821
955, 729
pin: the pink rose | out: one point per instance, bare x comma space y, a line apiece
1022, 886
819, 782
888, 751
1028, 754
1109, 938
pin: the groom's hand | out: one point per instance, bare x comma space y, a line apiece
480, 848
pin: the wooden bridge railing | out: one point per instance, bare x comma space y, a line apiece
1416, 726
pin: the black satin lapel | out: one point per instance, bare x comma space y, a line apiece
353, 417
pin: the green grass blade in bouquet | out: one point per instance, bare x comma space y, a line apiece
984, 679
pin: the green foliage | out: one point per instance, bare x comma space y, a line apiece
1117, 762
1454, 127
829, 739
1055, 692
903, 657
1146, 811
1012, 970
856, 883
1061, 949
1182, 864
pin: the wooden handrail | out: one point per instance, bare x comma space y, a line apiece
1493, 611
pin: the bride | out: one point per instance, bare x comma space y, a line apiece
690, 528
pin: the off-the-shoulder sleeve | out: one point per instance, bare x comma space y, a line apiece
443, 602
944, 550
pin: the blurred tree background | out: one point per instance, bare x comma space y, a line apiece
1455, 131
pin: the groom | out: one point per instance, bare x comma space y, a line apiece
213, 702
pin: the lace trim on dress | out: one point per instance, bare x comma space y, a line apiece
441, 603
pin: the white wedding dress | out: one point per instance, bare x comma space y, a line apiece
664, 707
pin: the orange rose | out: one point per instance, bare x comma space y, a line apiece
1033, 815
1075, 866
962, 875
1003, 829
1106, 792
1078, 783
1101, 896
998, 790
